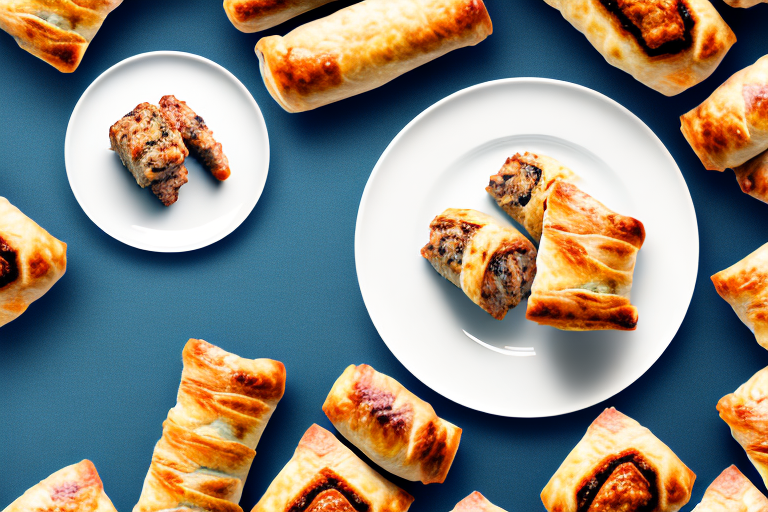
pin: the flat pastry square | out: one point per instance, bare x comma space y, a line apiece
744, 286
324, 475
619, 465
585, 264
476, 502
732, 492
75, 488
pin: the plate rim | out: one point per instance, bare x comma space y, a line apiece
498, 411
246, 212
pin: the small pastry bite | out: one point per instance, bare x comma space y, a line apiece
152, 149
619, 465
585, 265
493, 265
476, 502
75, 488
392, 426
257, 15
209, 438
732, 492
522, 185
744, 286
364, 46
31, 261
57, 32
324, 475
668, 45
197, 137
746, 412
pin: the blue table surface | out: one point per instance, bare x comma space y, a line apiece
92, 368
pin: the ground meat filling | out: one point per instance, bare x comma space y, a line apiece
515, 182
9, 264
508, 279
627, 480
446, 245
316, 497
167, 188
660, 27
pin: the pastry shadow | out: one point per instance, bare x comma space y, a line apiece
583, 360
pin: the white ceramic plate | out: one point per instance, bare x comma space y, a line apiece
444, 158
207, 210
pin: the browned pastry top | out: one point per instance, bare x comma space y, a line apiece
659, 26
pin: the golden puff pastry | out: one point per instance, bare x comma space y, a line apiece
476, 502
746, 412
364, 46
732, 492
31, 261
619, 465
75, 488
324, 475
56, 31
585, 265
731, 126
392, 426
493, 265
522, 185
257, 15
668, 45
745, 287
208, 441
753, 177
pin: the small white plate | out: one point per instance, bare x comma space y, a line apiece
207, 210
442, 159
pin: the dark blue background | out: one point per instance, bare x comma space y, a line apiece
92, 368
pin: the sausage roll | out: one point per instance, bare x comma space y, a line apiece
392, 426
257, 15
522, 186
476, 502
324, 475
585, 264
668, 45
493, 265
732, 492
731, 126
57, 32
619, 465
745, 287
31, 261
364, 46
197, 137
746, 412
208, 441
152, 149
75, 488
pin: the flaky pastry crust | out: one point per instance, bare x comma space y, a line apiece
476, 502
256, 15
732, 492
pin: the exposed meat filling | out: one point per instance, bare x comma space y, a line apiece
513, 185
445, 250
626, 483
508, 279
326, 491
9, 264
659, 26
330, 501
167, 188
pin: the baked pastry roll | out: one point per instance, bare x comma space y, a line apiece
392, 426
732, 492
363, 46
668, 45
324, 475
152, 149
58, 32
476, 502
493, 265
731, 126
585, 265
75, 488
746, 412
31, 261
522, 185
745, 287
256, 15
197, 137
619, 465
208, 441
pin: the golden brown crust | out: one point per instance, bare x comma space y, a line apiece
257, 15
364, 46
732, 492
753, 177
392, 426
476, 502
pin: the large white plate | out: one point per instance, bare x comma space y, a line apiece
444, 158
207, 210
